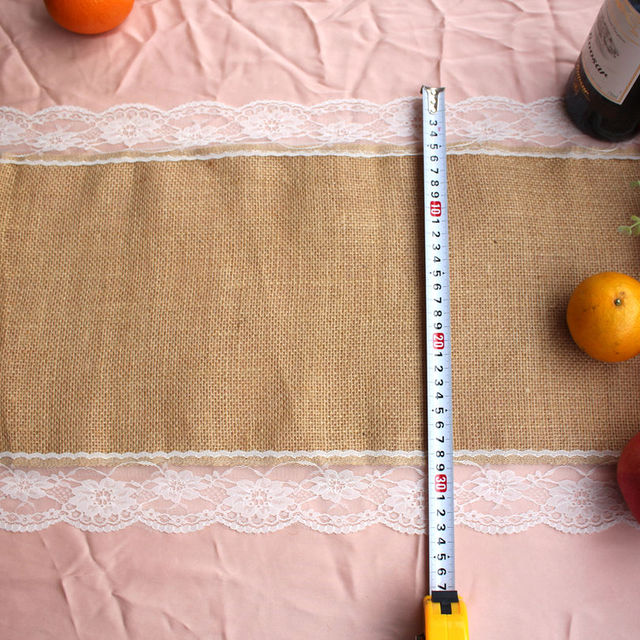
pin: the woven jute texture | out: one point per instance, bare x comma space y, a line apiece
277, 304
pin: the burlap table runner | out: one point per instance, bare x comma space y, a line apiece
277, 303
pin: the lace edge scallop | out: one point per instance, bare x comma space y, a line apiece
493, 125
579, 499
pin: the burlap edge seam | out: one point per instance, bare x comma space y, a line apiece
320, 458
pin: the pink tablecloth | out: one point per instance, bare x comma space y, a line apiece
299, 550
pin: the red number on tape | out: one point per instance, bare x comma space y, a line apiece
441, 483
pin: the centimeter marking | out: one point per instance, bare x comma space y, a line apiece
438, 345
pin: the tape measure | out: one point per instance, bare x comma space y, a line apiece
445, 612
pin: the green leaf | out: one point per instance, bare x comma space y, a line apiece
632, 229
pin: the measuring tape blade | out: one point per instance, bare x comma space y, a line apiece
445, 613
438, 344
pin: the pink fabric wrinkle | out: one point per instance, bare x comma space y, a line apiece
291, 584
171, 52
570, 632
344, 572
343, 35
394, 33
196, 40
88, 588
262, 60
307, 18
267, 43
63, 576
150, 38
14, 65
59, 579
177, 626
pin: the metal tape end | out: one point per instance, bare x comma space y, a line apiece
432, 94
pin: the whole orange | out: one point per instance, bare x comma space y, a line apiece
603, 316
89, 16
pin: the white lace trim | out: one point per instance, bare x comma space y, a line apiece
460, 454
489, 499
574, 454
204, 130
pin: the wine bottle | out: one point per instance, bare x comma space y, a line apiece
602, 96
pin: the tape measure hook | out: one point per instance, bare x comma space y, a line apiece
433, 94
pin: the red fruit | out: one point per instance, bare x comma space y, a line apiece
629, 475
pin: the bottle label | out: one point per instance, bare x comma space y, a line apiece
611, 55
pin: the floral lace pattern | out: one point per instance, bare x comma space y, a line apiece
197, 130
490, 499
568, 499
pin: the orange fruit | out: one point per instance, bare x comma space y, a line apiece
603, 316
89, 16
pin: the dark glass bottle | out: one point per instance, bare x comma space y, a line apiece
602, 96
